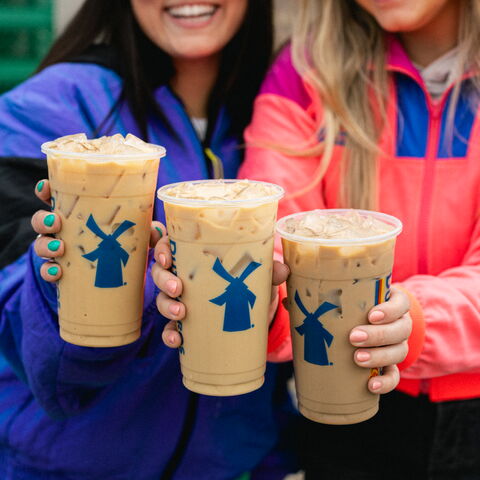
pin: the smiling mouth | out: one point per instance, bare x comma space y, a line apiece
200, 11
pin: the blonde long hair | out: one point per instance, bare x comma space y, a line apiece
340, 48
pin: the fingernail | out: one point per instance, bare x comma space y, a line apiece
162, 259
172, 286
159, 230
174, 308
358, 336
54, 245
171, 339
49, 220
363, 356
376, 385
376, 316
52, 271
40, 185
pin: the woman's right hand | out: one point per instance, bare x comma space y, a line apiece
170, 287
45, 223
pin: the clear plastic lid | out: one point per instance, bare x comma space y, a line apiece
271, 193
393, 222
149, 151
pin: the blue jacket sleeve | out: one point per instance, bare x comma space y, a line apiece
61, 100
64, 378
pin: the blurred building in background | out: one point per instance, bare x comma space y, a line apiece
284, 16
28, 27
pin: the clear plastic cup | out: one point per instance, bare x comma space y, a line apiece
105, 203
333, 284
223, 253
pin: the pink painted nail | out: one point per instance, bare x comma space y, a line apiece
174, 308
358, 336
376, 385
376, 316
363, 356
172, 286
162, 259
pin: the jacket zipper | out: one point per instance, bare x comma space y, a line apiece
435, 111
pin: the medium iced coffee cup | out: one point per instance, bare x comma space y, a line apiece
340, 267
103, 190
221, 236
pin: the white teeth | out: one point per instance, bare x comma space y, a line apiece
192, 10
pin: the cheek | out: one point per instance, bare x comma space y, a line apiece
149, 16
235, 15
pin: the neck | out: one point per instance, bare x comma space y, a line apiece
193, 83
434, 39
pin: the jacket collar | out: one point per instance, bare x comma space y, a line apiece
398, 60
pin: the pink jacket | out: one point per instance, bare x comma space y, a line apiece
432, 185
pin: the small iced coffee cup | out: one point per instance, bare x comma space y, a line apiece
340, 267
103, 190
221, 237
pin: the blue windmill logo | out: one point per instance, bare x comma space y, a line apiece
317, 337
110, 255
237, 298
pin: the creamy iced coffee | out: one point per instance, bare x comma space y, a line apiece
221, 236
103, 191
340, 263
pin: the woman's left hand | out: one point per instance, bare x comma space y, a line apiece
383, 343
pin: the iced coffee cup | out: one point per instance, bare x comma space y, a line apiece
103, 190
341, 265
221, 236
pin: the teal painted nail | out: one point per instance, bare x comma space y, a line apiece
52, 271
49, 220
40, 185
159, 230
54, 245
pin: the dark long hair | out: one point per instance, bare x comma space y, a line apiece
143, 66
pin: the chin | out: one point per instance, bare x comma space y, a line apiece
400, 23
196, 53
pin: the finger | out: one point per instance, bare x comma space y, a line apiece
42, 191
389, 311
46, 222
386, 382
163, 254
166, 281
381, 356
280, 272
380, 335
48, 247
170, 308
157, 232
50, 272
170, 335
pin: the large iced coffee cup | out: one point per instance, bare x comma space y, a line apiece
341, 265
103, 190
221, 236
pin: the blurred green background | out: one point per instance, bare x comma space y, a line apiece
28, 27
26, 31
